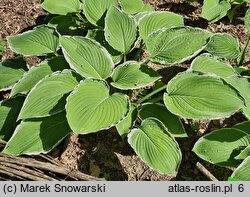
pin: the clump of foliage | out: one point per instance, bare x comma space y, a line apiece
94, 62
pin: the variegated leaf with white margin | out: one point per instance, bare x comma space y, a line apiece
196, 96
36, 73
95, 10
124, 126
87, 57
153, 21
39, 41
38, 135
156, 147
242, 172
11, 70
160, 112
91, 108
9, 110
133, 75
224, 45
222, 146
214, 10
207, 63
120, 30
176, 45
49, 95
242, 85
98, 35
135, 6
61, 7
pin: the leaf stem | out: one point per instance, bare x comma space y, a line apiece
151, 94
124, 58
243, 53
138, 53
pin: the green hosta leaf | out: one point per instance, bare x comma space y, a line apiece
247, 20
98, 35
155, 147
9, 110
132, 75
90, 108
197, 96
66, 25
176, 45
61, 7
40, 41
95, 10
170, 121
147, 8
128, 122
221, 146
153, 21
120, 30
242, 85
244, 153
244, 126
242, 173
35, 74
11, 70
49, 95
37, 136
87, 57
209, 64
214, 10
131, 7
224, 45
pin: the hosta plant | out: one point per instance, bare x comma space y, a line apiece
214, 10
94, 64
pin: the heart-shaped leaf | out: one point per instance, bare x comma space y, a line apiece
98, 35
11, 70
90, 108
242, 173
37, 136
153, 21
87, 57
128, 122
224, 45
95, 10
221, 146
208, 64
9, 110
36, 73
131, 7
160, 112
197, 96
61, 7
132, 75
176, 45
155, 147
49, 95
242, 85
40, 41
120, 30
214, 10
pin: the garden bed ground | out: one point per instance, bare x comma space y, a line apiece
105, 154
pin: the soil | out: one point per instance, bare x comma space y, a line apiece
105, 154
